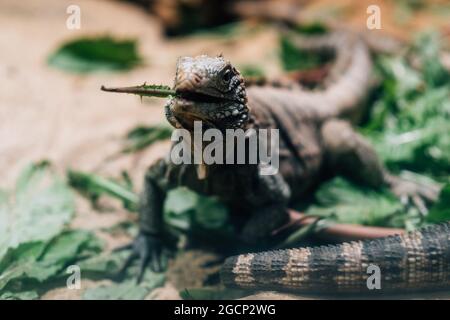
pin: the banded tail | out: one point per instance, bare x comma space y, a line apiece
415, 261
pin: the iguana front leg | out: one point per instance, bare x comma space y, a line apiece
349, 154
147, 246
263, 221
269, 201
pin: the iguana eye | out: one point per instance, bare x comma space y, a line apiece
226, 76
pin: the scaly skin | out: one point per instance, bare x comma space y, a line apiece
314, 144
418, 260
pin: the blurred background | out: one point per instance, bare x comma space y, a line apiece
55, 55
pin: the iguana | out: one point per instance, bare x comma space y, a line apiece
316, 141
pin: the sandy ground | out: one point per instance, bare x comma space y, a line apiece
49, 114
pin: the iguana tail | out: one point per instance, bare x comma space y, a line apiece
350, 76
419, 260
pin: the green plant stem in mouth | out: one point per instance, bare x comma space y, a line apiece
159, 91
162, 91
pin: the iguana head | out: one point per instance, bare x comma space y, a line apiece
208, 89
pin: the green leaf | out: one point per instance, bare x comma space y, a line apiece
440, 211
314, 28
70, 244
400, 83
25, 295
409, 124
104, 265
17, 261
347, 203
109, 265
42, 261
294, 58
38, 209
94, 186
91, 54
250, 70
180, 200
34, 248
179, 208
143, 136
424, 149
188, 211
126, 290
428, 48
211, 214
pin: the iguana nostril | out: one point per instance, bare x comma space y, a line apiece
187, 82
196, 79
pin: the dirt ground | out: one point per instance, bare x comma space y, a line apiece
65, 118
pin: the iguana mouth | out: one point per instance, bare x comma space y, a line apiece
199, 97
188, 119
212, 110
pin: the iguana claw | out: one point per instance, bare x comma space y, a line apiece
414, 193
147, 248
